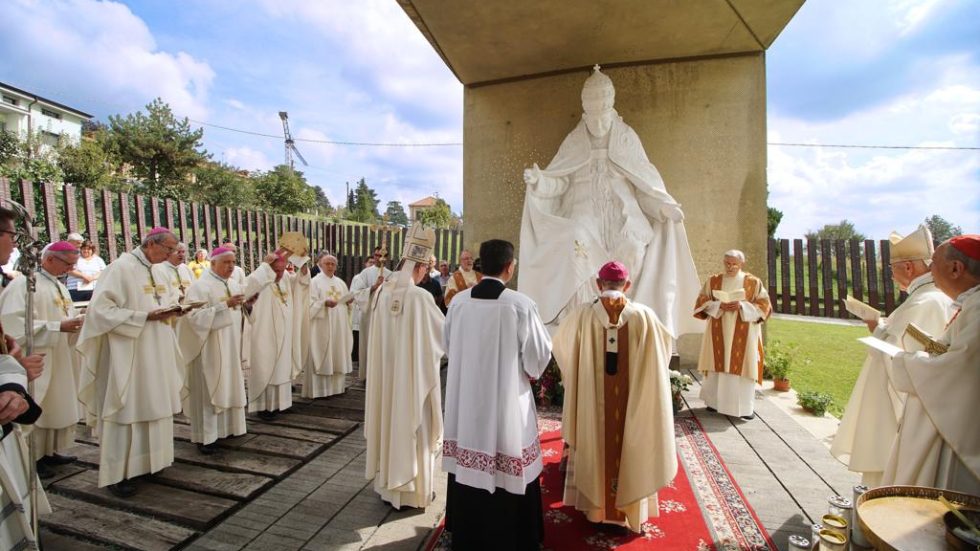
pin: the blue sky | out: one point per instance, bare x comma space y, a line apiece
876, 72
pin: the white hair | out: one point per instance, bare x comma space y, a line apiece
735, 253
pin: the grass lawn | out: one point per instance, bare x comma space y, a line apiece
834, 353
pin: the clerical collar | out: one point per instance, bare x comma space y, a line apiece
495, 279
965, 295
216, 276
138, 253
918, 282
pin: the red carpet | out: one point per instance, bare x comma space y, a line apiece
702, 509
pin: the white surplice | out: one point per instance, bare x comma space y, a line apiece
133, 370
938, 442
15, 502
210, 341
360, 286
331, 339
403, 413
728, 393
276, 347
55, 390
870, 423
494, 348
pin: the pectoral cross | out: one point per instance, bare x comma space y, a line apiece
155, 289
334, 294
63, 303
580, 249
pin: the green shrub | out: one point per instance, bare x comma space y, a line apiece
815, 402
778, 361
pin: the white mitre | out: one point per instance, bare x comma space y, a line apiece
419, 244
914, 246
598, 88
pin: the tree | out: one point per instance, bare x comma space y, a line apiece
842, 230
941, 228
26, 159
365, 207
323, 206
395, 214
9, 146
774, 218
283, 190
222, 184
436, 216
161, 150
89, 163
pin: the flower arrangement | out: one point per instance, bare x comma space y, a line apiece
548, 389
679, 382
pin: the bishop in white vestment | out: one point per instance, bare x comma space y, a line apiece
731, 349
180, 275
331, 338
210, 340
133, 370
403, 405
616, 416
870, 422
496, 343
56, 324
938, 443
364, 285
276, 347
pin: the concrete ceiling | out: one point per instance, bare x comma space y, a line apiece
490, 40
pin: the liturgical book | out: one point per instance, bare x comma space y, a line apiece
864, 311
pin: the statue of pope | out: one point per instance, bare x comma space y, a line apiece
601, 199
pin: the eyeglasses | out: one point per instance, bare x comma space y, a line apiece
14, 236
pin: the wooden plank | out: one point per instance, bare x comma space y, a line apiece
53, 541
826, 263
840, 253
799, 284
333, 412
267, 232
155, 211
4, 188
771, 266
888, 288
813, 287
124, 222
293, 433
50, 203
196, 224
857, 274
27, 197
168, 213
207, 227
238, 486
163, 502
244, 462
119, 528
218, 226
335, 426
91, 225
279, 446
784, 279
109, 223
872, 266
182, 221
140, 217
229, 226
71, 208
86, 454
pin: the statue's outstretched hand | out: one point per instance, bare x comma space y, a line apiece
532, 175
672, 212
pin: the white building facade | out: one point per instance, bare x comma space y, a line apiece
22, 112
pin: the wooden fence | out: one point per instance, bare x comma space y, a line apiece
117, 221
811, 277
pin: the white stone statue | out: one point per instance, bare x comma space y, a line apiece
601, 199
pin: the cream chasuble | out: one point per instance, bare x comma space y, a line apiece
731, 347
210, 341
619, 426
276, 352
331, 339
403, 407
181, 277
15, 502
870, 423
360, 286
938, 442
133, 370
494, 346
55, 390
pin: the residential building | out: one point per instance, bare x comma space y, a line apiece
22, 111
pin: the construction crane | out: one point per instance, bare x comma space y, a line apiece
290, 144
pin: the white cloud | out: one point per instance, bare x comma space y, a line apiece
98, 55
247, 158
909, 15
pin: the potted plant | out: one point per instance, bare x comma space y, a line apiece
815, 402
778, 364
679, 382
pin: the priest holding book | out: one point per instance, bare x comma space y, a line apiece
870, 423
736, 304
938, 443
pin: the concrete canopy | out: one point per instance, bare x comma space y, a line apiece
489, 41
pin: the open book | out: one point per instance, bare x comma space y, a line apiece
729, 296
185, 307
864, 311
886, 348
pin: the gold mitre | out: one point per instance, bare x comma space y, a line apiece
914, 246
294, 242
598, 87
419, 243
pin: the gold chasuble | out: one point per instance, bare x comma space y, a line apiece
739, 341
617, 417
